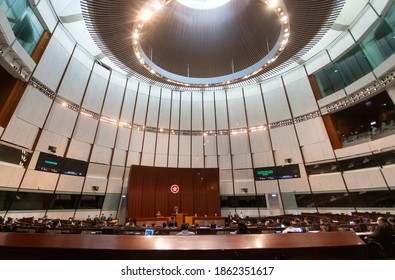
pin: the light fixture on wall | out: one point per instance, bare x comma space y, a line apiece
95, 188
288, 160
244, 190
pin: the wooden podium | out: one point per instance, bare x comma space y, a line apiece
179, 218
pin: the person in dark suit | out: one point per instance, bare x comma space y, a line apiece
172, 223
242, 228
382, 233
185, 230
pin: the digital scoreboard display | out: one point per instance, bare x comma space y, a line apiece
277, 172
49, 163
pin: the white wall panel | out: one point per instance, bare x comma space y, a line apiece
133, 158
62, 36
327, 182
79, 150
211, 161
225, 175
280, 156
61, 120
270, 186
209, 111
260, 141
46, 73
101, 154
46, 11
173, 161
119, 157
361, 25
175, 111
283, 138
240, 144
85, 129
10, 176
295, 185
389, 174
364, 179
33, 107
161, 160
98, 170
254, 105
360, 83
197, 145
237, 115
241, 161
74, 81
142, 103
123, 137
69, 183
114, 96
129, 101
384, 67
153, 107
210, 145
96, 90
197, 111
20, 133
149, 143
263, 159
249, 185
184, 161
164, 120
243, 175
48, 138
343, 43
162, 143
185, 145
173, 148
318, 152
301, 97
39, 180
225, 188
224, 162
317, 62
147, 159
106, 133
274, 98
223, 145
197, 161
311, 131
221, 112
137, 140
114, 185
338, 95
185, 114
97, 182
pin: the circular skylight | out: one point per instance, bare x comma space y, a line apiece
203, 4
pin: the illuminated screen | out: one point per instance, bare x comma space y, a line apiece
49, 163
277, 172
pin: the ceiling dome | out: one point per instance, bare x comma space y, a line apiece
180, 46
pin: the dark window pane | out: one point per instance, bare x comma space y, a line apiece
6, 198
91, 202
31, 201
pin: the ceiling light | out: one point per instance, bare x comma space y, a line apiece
203, 4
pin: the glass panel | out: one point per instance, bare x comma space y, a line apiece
111, 202
304, 200
91, 202
243, 201
31, 201
322, 168
329, 80
6, 198
65, 201
358, 163
14, 156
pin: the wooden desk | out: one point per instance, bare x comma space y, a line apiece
158, 221
301, 246
205, 221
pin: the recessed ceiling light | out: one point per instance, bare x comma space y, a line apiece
203, 4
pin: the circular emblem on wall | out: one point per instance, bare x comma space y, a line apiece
174, 188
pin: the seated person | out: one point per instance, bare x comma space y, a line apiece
391, 224
185, 230
288, 226
382, 234
172, 223
242, 228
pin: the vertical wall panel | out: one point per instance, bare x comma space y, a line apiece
197, 111
173, 151
148, 149
48, 138
221, 110
119, 157
254, 105
185, 115
129, 101
33, 107
209, 111
94, 95
85, 129
74, 81
79, 150
237, 116
153, 108
164, 120
197, 152
175, 110
20, 133
114, 96
274, 97
161, 150
61, 120
142, 102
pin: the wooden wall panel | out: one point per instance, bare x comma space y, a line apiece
149, 191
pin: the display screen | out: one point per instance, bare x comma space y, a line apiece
49, 163
277, 172
74, 167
